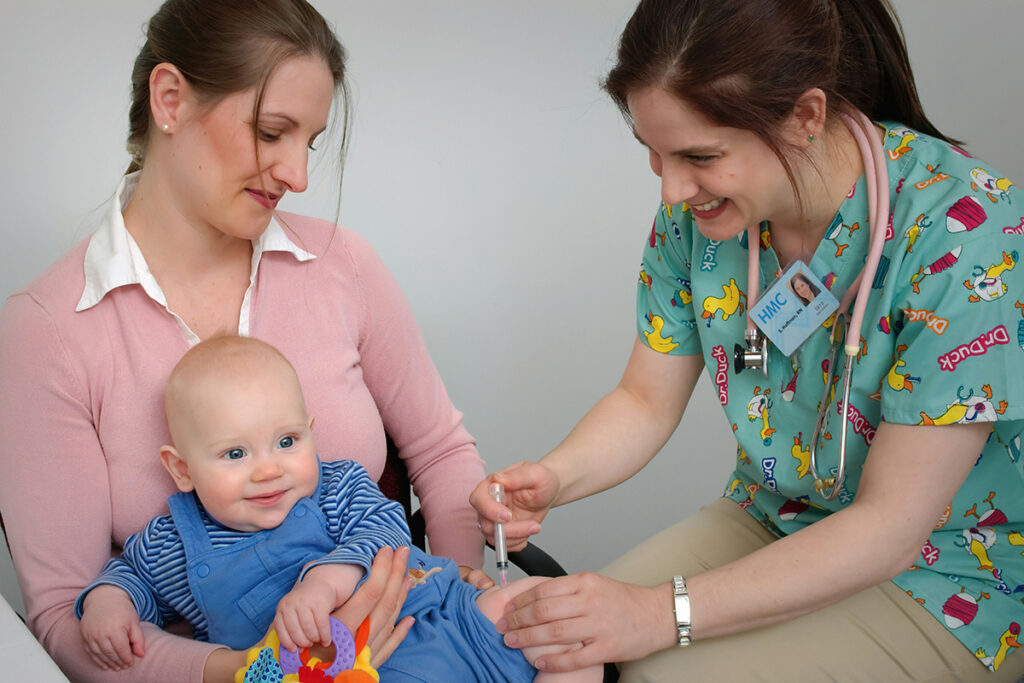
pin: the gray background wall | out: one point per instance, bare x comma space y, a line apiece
497, 182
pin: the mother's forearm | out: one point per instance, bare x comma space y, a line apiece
443, 491
168, 658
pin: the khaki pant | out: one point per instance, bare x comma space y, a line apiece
879, 635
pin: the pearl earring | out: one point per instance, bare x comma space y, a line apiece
165, 127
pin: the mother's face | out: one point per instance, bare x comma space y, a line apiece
216, 179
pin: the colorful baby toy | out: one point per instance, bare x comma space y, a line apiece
268, 662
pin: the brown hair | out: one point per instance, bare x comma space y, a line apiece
744, 63
229, 46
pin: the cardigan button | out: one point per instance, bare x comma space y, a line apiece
203, 571
300, 511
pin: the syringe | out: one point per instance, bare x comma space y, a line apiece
497, 492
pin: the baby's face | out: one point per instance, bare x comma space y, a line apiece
249, 448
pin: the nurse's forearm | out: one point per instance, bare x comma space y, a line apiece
612, 442
824, 563
910, 475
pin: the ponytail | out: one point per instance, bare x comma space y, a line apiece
874, 73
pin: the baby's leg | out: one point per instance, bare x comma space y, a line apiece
492, 603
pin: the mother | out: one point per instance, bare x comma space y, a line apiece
227, 100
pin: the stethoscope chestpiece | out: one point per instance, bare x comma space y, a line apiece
754, 356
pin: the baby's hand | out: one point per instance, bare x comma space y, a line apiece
302, 615
110, 628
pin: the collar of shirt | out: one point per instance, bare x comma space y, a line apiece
113, 259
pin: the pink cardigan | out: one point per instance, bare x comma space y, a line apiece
81, 420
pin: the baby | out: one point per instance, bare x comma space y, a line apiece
263, 534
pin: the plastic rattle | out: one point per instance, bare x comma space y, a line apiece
268, 662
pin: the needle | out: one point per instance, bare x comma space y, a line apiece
497, 492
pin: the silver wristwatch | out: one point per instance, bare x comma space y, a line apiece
681, 607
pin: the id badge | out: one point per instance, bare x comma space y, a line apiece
793, 307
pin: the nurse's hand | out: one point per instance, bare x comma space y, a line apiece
615, 621
381, 598
530, 491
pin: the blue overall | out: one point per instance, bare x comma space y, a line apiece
238, 587
451, 639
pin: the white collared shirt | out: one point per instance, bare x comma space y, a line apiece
113, 259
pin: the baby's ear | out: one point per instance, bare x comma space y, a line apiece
310, 421
177, 467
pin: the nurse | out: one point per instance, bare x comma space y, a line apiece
914, 570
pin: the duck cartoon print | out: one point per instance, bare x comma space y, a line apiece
921, 223
978, 539
802, 454
1007, 642
1015, 538
645, 279
967, 409
897, 380
654, 338
683, 296
729, 303
906, 136
757, 409
993, 187
987, 282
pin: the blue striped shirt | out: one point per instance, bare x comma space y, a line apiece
152, 566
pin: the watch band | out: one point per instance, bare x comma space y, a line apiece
681, 608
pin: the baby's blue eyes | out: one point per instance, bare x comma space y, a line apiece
284, 443
235, 454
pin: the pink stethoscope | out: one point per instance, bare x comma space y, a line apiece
756, 354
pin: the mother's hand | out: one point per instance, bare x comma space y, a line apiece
381, 598
615, 621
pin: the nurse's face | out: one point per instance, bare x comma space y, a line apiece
729, 178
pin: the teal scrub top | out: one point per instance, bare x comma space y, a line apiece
942, 343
